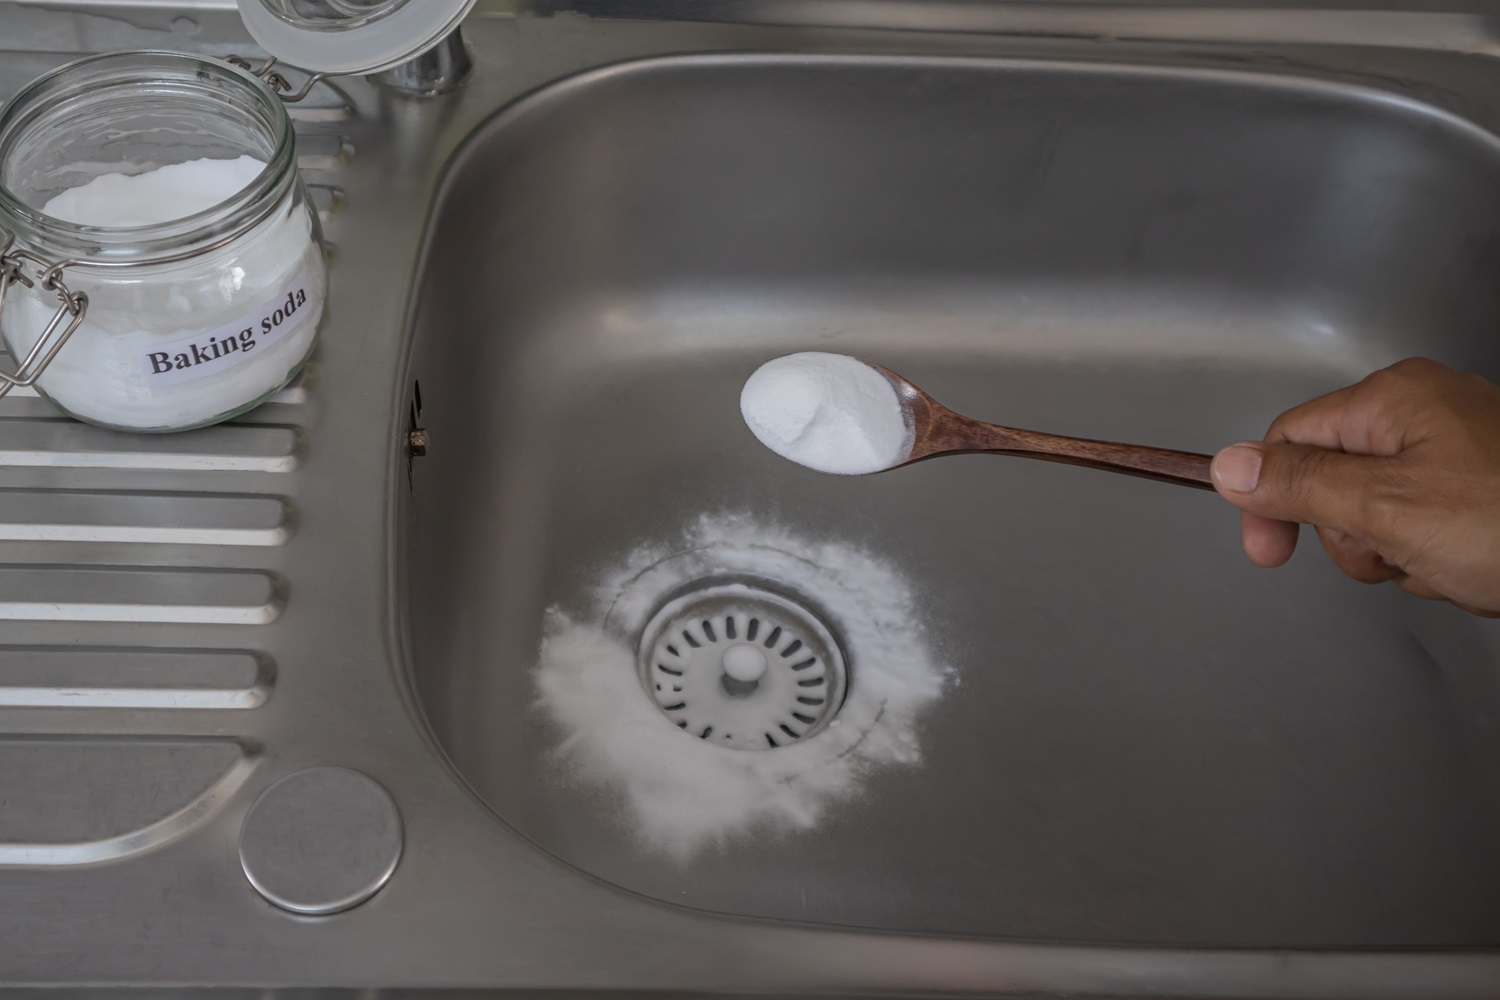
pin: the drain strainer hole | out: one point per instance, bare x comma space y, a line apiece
743, 666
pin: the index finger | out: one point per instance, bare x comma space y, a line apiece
1375, 416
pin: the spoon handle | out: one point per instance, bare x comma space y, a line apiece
1184, 468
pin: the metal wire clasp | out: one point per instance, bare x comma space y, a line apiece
272, 77
65, 321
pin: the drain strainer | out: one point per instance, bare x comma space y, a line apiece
741, 666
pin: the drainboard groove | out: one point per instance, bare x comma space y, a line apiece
145, 518
67, 444
126, 678
137, 595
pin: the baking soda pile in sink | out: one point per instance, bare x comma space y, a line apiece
829, 412
683, 794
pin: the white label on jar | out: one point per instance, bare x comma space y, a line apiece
232, 344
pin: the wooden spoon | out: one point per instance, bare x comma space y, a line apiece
938, 431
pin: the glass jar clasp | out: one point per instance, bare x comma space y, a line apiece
67, 319
272, 78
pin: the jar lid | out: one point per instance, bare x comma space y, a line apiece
350, 37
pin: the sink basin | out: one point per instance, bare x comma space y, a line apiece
1145, 740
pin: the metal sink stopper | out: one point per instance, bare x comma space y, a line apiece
742, 666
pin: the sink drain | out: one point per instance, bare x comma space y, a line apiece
742, 666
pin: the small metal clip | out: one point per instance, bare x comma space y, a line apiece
74, 306
272, 77
417, 442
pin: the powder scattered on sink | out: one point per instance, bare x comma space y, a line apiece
682, 794
829, 412
164, 194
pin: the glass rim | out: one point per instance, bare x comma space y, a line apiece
162, 242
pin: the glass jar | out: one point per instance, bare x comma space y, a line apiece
145, 324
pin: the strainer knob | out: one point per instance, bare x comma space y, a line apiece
745, 663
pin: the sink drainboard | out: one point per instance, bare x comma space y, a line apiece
742, 666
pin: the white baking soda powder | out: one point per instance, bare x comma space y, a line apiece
683, 794
166, 194
829, 412
179, 345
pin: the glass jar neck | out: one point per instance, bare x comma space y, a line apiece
128, 113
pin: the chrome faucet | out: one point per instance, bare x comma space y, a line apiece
440, 70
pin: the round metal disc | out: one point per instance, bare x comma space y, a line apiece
321, 841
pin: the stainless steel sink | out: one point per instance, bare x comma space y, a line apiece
1151, 741
1158, 772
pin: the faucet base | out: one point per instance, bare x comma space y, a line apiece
440, 70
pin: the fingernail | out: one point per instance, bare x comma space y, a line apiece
1237, 468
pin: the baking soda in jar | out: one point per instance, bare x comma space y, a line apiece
190, 257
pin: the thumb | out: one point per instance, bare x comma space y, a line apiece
1298, 483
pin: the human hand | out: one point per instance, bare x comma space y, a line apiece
1400, 474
